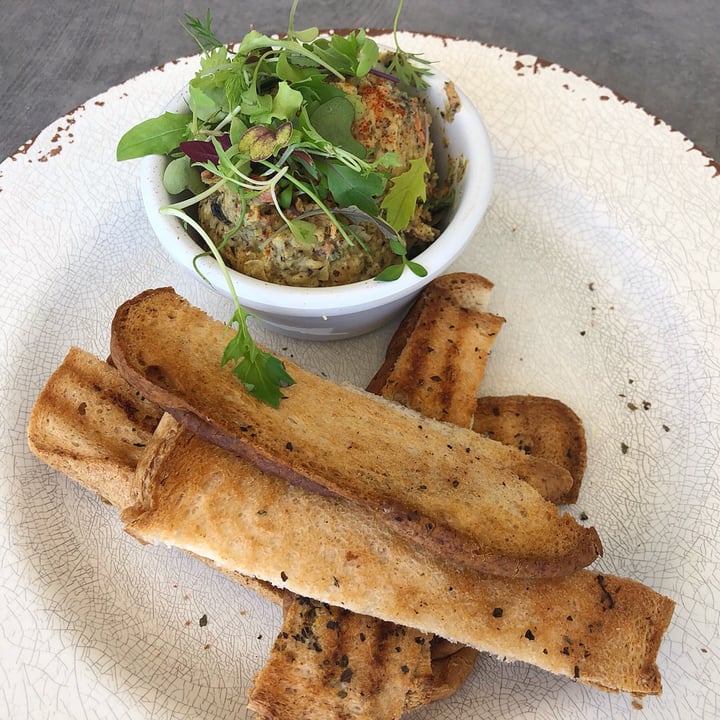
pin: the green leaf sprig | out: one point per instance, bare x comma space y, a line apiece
268, 117
262, 373
409, 68
393, 272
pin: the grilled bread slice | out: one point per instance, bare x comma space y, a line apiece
537, 426
436, 359
89, 423
446, 488
333, 663
595, 628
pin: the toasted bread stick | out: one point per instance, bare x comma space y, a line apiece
446, 488
89, 423
436, 358
592, 627
613, 606
338, 664
537, 426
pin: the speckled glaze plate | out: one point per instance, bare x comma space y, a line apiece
601, 239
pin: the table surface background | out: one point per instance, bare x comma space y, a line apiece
662, 55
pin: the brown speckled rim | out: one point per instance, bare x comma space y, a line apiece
538, 65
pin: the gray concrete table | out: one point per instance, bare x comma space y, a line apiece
663, 55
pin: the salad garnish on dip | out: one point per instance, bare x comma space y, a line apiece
302, 160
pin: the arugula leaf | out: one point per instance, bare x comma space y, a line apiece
262, 374
353, 54
367, 54
155, 136
405, 190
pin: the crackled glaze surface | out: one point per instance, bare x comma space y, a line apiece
601, 241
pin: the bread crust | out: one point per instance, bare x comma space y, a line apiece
445, 488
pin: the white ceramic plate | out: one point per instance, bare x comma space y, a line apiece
601, 240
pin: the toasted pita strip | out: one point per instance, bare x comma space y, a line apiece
538, 426
447, 488
596, 628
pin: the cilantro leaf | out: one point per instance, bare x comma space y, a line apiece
405, 190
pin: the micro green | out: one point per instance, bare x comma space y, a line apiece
270, 116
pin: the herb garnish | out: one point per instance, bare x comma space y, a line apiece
268, 118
